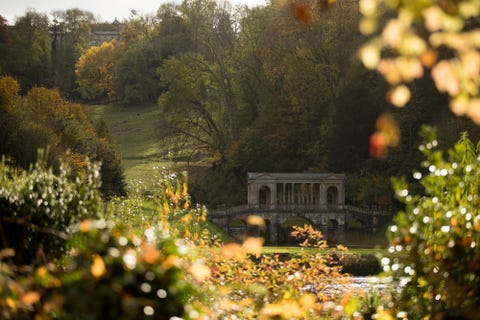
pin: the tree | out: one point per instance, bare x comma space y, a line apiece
28, 53
94, 71
191, 110
71, 32
199, 105
43, 119
4, 38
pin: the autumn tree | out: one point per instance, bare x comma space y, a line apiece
43, 119
94, 71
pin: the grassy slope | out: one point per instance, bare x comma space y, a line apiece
131, 129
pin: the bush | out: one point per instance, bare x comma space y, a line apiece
38, 208
435, 241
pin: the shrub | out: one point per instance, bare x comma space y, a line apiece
435, 241
38, 208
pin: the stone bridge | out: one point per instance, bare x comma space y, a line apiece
316, 198
331, 220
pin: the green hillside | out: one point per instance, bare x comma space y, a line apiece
132, 131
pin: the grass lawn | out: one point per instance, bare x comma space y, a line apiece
132, 131
296, 250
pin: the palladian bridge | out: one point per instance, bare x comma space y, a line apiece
315, 198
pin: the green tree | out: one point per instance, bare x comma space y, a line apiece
135, 78
71, 33
27, 56
199, 105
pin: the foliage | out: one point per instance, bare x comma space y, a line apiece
94, 72
435, 240
134, 77
38, 208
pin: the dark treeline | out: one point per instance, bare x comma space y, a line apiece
273, 88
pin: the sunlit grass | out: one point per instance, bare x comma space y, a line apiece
294, 250
132, 131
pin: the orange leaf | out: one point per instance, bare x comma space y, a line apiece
150, 254
98, 266
302, 13
85, 226
200, 272
170, 262
30, 297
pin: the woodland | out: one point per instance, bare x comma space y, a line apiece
384, 91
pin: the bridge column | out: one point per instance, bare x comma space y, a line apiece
323, 195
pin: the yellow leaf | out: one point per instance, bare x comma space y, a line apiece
253, 245
445, 77
370, 55
459, 105
98, 266
200, 272
307, 301
11, 303
393, 32
233, 251
256, 221
368, 7
399, 96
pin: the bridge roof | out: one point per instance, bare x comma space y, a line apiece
284, 176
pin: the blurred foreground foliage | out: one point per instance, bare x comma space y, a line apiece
435, 241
